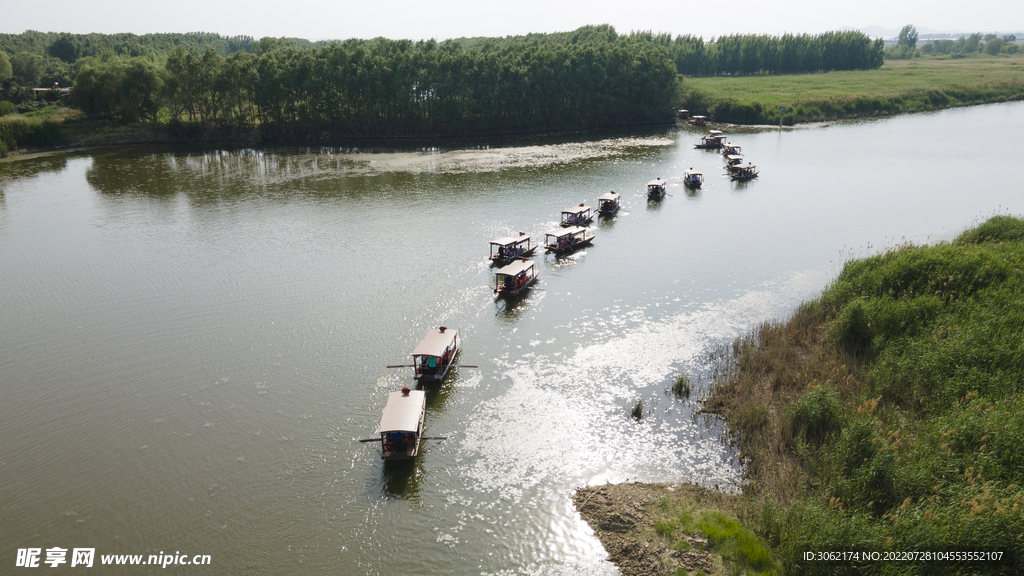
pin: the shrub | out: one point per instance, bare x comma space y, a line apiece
817, 415
6, 108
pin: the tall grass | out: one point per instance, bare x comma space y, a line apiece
16, 132
896, 404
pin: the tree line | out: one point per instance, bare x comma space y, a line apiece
587, 78
391, 88
786, 54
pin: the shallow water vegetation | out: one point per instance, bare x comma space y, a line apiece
681, 387
638, 410
892, 409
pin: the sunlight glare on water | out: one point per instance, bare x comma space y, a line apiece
195, 339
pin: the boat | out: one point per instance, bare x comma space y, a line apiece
577, 215
514, 278
435, 354
709, 142
733, 160
509, 248
609, 203
744, 171
656, 189
683, 114
699, 120
568, 239
731, 149
693, 178
401, 425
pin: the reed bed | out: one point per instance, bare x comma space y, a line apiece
888, 415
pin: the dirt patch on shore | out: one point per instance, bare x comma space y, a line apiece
623, 517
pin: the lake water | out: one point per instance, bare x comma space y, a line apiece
192, 341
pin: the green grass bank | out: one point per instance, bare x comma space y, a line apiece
899, 86
887, 416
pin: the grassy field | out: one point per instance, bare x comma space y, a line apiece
898, 86
888, 415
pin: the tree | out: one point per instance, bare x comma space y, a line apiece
28, 68
5, 67
994, 46
908, 37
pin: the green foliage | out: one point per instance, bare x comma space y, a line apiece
907, 37
6, 71
681, 387
933, 457
900, 86
6, 108
15, 133
817, 415
119, 89
763, 54
638, 410
994, 46
28, 68
995, 229
964, 45
736, 544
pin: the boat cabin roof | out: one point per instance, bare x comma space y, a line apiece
568, 231
747, 166
733, 157
510, 240
656, 182
436, 342
516, 268
714, 132
693, 172
576, 209
402, 413
609, 196
698, 116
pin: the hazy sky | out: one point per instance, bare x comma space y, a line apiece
440, 19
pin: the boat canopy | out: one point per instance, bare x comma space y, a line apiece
576, 209
568, 231
511, 240
747, 166
436, 342
403, 411
609, 197
656, 182
698, 116
693, 173
734, 158
714, 132
516, 268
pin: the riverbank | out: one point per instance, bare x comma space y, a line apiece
898, 87
671, 529
884, 417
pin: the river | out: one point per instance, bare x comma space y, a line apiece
192, 340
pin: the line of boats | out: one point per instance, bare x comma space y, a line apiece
400, 431
734, 162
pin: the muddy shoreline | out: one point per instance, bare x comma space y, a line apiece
623, 517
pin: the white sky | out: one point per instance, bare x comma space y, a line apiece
440, 19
